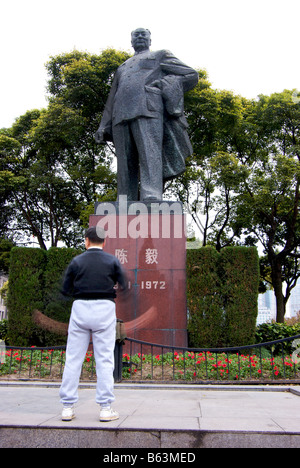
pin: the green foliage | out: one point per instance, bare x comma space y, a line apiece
35, 279
4, 291
206, 312
277, 331
222, 296
26, 281
188, 366
207, 366
239, 272
242, 185
4, 331
51, 168
56, 305
5, 247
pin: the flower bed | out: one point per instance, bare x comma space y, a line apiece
206, 366
32, 363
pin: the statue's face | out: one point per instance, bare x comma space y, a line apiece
140, 39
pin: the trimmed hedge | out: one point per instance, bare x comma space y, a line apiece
239, 270
25, 293
222, 293
222, 296
56, 305
206, 320
34, 283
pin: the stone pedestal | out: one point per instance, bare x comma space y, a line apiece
150, 242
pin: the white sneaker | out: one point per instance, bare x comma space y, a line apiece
68, 413
108, 414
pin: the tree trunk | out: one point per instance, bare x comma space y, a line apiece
280, 305
41, 242
278, 286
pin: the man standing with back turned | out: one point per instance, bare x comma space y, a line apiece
91, 279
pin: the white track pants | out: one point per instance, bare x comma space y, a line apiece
96, 317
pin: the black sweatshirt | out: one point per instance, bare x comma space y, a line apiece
93, 275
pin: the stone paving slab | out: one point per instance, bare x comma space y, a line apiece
153, 415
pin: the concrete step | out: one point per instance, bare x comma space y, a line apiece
186, 441
154, 417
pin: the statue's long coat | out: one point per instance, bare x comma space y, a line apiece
160, 81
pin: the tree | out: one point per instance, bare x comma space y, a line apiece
211, 182
248, 177
54, 169
269, 203
241, 184
5, 247
9, 149
39, 197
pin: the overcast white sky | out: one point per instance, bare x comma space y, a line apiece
249, 47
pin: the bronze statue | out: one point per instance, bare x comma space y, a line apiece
144, 118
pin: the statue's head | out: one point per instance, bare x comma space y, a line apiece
141, 39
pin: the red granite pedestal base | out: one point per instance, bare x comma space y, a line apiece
152, 250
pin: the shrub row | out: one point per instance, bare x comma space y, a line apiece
34, 283
222, 292
267, 332
222, 296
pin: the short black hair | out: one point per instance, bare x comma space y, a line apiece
96, 235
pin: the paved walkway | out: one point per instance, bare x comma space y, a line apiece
254, 414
